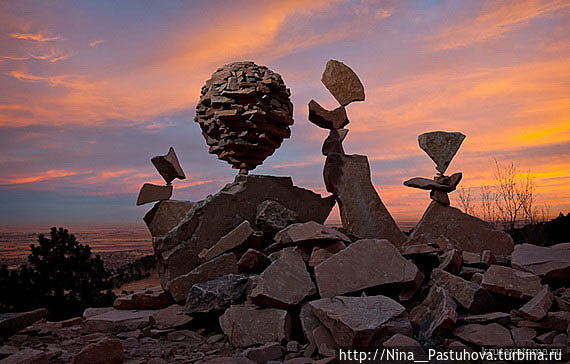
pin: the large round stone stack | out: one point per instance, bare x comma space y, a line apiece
245, 113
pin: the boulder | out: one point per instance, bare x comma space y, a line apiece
441, 147
470, 295
363, 264
309, 233
342, 82
171, 317
247, 325
264, 353
168, 166
538, 306
484, 335
253, 261
12, 322
361, 209
104, 351
222, 265
151, 193
285, 283
546, 262
469, 233
436, 314
235, 238
217, 294
272, 216
115, 321
361, 321
511, 282
147, 299
210, 219
165, 215
326, 119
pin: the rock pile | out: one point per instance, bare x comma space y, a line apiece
244, 113
169, 168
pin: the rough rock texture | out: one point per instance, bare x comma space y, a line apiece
285, 283
484, 335
427, 184
210, 219
170, 317
342, 83
27, 356
244, 113
151, 193
309, 233
361, 209
246, 325
264, 353
333, 143
253, 261
217, 294
436, 314
15, 321
168, 166
546, 262
165, 215
326, 119
511, 282
441, 147
272, 216
212, 269
361, 321
522, 336
470, 295
363, 264
452, 261
235, 238
469, 233
105, 351
116, 321
322, 252
147, 299
538, 306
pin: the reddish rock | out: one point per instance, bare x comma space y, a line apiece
419, 249
500, 317
468, 232
452, 261
253, 261
436, 314
484, 335
470, 295
333, 143
323, 252
469, 272
116, 321
361, 321
470, 258
342, 82
222, 265
546, 338
247, 325
151, 193
326, 119
538, 306
309, 233
264, 353
165, 215
235, 238
168, 166
487, 258
439, 196
13, 322
548, 263
309, 321
562, 297
171, 317
522, 336
557, 320
511, 282
105, 351
399, 340
27, 356
228, 360
364, 264
324, 341
285, 283
148, 299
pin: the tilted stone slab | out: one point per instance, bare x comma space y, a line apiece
511, 282
546, 262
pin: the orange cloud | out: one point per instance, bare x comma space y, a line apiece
43, 176
96, 43
35, 37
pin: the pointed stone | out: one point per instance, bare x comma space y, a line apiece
168, 166
470, 295
342, 82
441, 147
333, 143
151, 193
538, 306
427, 184
326, 119
484, 335
235, 238
436, 314
165, 215
361, 209
511, 282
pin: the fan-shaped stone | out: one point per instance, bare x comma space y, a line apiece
441, 147
342, 83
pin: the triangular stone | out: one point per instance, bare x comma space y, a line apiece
168, 166
441, 147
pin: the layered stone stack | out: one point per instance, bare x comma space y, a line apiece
169, 168
244, 113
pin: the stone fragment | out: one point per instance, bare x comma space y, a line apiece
147, 299
451, 181
342, 82
416, 250
427, 184
361, 209
470, 272
407, 344
546, 338
324, 341
522, 336
228, 360
212, 269
217, 294
546, 262
477, 278
538, 306
562, 297
326, 119
436, 314
309, 321
235, 238
95, 311
165, 215
469, 233
557, 320
484, 335
208, 220
168, 166
171, 317
272, 216
309, 233
264, 353
115, 321
323, 252
253, 261
487, 258
452, 261
511, 282
13, 322
361, 321
27, 356
285, 283
470, 258
499, 317
151, 193
246, 325
105, 351
468, 294
439, 196
293, 347
441, 147
364, 264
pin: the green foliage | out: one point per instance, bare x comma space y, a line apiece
61, 275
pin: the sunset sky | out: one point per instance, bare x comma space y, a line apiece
91, 90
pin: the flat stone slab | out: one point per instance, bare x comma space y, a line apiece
538, 306
326, 119
146, 299
152, 193
13, 322
484, 335
511, 282
309, 233
342, 82
115, 321
171, 317
235, 238
436, 314
441, 147
470, 295
546, 262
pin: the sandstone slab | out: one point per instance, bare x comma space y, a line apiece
235, 238
326, 119
168, 166
105, 351
147, 299
151, 193
217, 294
13, 322
264, 353
546, 262
484, 335
171, 317
253, 261
511, 282
363, 264
321, 253
309, 233
165, 215
538, 306
470, 295
436, 314
115, 321
441, 147
342, 82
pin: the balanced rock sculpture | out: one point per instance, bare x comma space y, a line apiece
170, 169
244, 113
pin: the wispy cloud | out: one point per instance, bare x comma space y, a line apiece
96, 42
38, 37
62, 80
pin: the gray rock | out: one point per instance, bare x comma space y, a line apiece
441, 147
272, 216
217, 294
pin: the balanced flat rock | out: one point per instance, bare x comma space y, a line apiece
436, 314
362, 321
361, 209
511, 282
165, 215
427, 184
441, 147
342, 83
326, 119
546, 262
468, 232
151, 193
168, 166
363, 264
